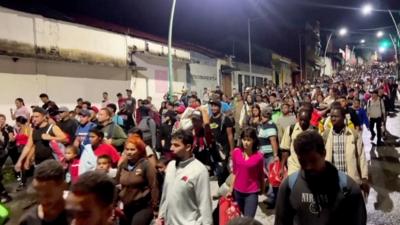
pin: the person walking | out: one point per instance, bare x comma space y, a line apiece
186, 197
318, 194
248, 173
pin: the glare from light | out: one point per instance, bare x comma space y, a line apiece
379, 34
367, 9
382, 50
362, 41
342, 31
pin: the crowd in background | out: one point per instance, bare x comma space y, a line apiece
160, 160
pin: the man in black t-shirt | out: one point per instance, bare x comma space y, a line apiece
221, 127
222, 130
48, 105
38, 145
66, 124
49, 185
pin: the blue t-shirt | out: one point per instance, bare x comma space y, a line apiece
265, 131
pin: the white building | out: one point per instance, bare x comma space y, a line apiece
69, 60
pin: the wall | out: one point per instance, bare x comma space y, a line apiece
203, 73
153, 80
63, 82
68, 61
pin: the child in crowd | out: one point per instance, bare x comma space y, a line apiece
104, 164
72, 164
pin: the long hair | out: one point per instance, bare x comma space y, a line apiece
256, 106
139, 144
251, 133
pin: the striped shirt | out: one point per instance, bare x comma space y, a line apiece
265, 132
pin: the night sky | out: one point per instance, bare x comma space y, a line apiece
222, 24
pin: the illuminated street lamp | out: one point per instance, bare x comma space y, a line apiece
367, 9
382, 49
362, 41
342, 31
379, 34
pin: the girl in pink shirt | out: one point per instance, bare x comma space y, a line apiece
248, 173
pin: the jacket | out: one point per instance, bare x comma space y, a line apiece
362, 117
138, 184
356, 162
117, 134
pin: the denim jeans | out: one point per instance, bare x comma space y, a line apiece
247, 202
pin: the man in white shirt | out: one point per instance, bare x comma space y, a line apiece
186, 197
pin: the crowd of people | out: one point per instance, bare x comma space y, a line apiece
130, 163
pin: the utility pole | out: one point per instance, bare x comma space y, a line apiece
249, 39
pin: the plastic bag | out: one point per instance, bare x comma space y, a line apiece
274, 177
228, 210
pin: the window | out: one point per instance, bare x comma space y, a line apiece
259, 81
247, 81
240, 83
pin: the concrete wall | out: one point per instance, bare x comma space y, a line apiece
63, 82
153, 80
203, 73
68, 61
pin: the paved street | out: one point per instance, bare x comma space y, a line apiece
383, 204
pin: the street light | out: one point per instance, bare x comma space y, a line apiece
343, 31
362, 41
170, 66
367, 9
382, 49
379, 34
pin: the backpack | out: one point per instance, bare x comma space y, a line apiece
57, 147
292, 179
145, 128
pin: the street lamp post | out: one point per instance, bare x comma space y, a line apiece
170, 63
367, 9
249, 39
342, 32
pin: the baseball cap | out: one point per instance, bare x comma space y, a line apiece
84, 113
63, 109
